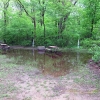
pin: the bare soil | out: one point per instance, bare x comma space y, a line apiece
21, 82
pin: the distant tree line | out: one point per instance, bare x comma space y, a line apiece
50, 22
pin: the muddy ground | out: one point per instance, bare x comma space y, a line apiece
24, 82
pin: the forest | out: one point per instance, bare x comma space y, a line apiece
63, 23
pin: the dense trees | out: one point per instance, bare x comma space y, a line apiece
50, 22
4, 5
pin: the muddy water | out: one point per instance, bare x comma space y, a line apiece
56, 64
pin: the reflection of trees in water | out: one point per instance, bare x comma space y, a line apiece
41, 60
56, 64
41, 65
59, 63
49, 63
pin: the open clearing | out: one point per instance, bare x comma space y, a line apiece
23, 82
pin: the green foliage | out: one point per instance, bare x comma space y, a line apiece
61, 42
96, 52
26, 43
49, 42
88, 43
80, 21
19, 31
94, 46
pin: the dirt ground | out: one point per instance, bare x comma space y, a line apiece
19, 82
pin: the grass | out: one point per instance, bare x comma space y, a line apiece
6, 67
4, 95
87, 78
83, 77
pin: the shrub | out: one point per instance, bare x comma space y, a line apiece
96, 53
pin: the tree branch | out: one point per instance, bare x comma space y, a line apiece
61, 23
25, 9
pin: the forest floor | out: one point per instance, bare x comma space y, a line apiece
23, 82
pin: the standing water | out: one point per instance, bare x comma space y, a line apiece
56, 64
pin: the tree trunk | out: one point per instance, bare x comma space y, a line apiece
5, 18
34, 22
61, 22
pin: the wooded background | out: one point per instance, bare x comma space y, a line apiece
50, 22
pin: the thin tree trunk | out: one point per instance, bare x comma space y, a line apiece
34, 22
42, 15
61, 22
5, 18
33, 18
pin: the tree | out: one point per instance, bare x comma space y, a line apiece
30, 14
5, 5
92, 9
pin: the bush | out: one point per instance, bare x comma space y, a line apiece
86, 43
26, 43
96, 53
61, 42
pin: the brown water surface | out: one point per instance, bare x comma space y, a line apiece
55, 64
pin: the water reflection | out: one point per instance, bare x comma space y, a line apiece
56, 64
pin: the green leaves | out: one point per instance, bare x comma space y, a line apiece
57, 22
96, 52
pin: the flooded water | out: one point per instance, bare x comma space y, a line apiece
56, 64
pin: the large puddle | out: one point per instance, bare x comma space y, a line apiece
56, 64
